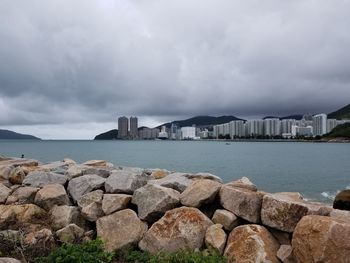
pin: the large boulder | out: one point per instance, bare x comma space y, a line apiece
50, 195
251, 243
199, 192
199, 176
91, 205
215, 238
74, 171
340, 214
179, 229
70, 234
91, 197
17, 175
40, 179
321, 239
283, 211
9, 260
342, 200
4, 193
153, 201
227, 219
114, 202
22, 195
176, 181
285, 254
123, 181
64, 215
245, 183
98, 163
79, 186
242, 202
121, 229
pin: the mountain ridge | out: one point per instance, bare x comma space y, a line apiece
11, 135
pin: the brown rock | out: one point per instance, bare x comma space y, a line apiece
98, 163
285, 254
17, 175
251, 243
43, 237
179, 229
340, 214
4, 193
244, 183
158, 174
321, 239
200, 192
22, 195
91, 205
121, 229
342, 200
70, 234
215, 238
242, 202
64, 215
227, 219
114, 202
50, 195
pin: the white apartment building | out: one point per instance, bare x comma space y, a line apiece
286, 126
302, 131
255, 127
331, 124
319, 124
237, 129
188, 133
272, 127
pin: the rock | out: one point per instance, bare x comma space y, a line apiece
342, 200
50, 195
251, 243
19, 162
340, 214
40, 179
64, 215
79, 186
70, 234
5, 172
215, 238
285, 254
176, 181
120, 229
153, 201
126, 182
199, 192
159, 173
283, 211
20, 214
4, 193
244, 183
9, 260
22, 195
78, 170
227, 219
54, 166
17, 175
11, 235
321, 239
91, 205
43, 237
89, 198
242, 202
179, 229
208, 176
69, 161
98, 163
114, 202
284, 238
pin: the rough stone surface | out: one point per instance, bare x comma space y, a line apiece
91, 197
199, 192
207, 176
153, 201
123, 181
43, 237
4, 193
79, 170
98, 163
283, 211
40, 179
180, 228
242, 202
50, 195
79, 186
159, 173
176, 181
17, 175
321, 239
245, 183
226, 218
340, 214
251, 243
70, 234
284, 238
120, 229
22, 195
285, 254
114, 202
215, 238
64, 215
342, 200
19, 214
91, 205
9, 260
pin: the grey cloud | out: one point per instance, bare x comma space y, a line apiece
67, 62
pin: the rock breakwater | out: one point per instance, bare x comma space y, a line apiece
158, 210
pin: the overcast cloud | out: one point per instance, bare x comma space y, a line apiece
68, 69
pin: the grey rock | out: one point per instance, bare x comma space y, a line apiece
114, 202
91, 197
22, 195
153, 201
78, 170
285, 254
176, 181
50, 195
9, 260
70, 234
64, 215
40, 179
208, 176
121, 181
226, 218
245, 183
4, 193
79, 186
215, 238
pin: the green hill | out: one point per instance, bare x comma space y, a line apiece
110, 135
343, 113
341, 131
11, 135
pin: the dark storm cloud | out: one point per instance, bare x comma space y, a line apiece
90, 61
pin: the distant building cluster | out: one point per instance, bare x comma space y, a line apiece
126, 131
308, 126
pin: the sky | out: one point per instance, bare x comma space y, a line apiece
69, 69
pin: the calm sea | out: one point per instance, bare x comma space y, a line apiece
317, 170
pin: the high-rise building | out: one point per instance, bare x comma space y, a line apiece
272, 127
255, 128
286, 125
188, 133
123, 127
237, 129
133, 127
331, 124
320, 124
